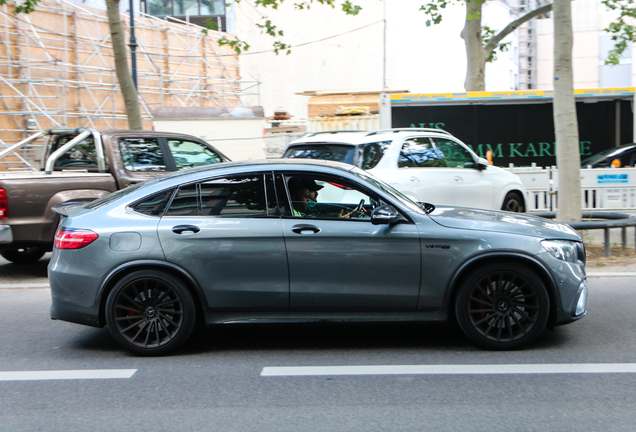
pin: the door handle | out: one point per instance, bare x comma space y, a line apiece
305, 229
414, 179
186, 229
458, 179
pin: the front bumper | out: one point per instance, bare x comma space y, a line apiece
6, 234
577, 307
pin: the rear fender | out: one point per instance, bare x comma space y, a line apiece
79, 195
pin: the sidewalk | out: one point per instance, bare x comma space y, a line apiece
622, 262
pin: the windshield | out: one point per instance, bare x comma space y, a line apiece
333, 152
609, 154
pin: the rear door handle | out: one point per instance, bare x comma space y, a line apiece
305, 229
414, 179
186, 229
458, 179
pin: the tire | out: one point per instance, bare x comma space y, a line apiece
25, 255
502, 306
513, 203
150, 312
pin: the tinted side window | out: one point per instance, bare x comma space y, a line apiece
141, 154
185, 202
238, 196
455, 154
371, 153
420, 153
154, 205
189, 154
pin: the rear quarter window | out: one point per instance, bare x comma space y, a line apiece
372, 153
153, 205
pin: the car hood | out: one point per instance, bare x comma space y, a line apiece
505, 222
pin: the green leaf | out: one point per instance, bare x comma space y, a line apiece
26, 8
237, 45
210, 24
350, 9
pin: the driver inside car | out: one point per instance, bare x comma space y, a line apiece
299, 194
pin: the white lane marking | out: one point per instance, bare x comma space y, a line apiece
67, 374
614, 274
565, 368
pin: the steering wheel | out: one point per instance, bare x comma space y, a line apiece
359, 207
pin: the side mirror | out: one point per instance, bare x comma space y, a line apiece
482, 164
385, 215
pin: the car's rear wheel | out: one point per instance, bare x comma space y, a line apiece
513, 203
150, 312
502, 306
25, 255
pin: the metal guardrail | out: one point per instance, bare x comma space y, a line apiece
604, 221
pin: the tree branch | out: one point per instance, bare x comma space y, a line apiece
492, 44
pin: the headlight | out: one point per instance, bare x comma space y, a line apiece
563, 250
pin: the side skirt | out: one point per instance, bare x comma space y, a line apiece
213, 317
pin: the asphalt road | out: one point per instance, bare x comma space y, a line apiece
215, 382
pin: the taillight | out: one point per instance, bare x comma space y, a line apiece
4, 204
74, 238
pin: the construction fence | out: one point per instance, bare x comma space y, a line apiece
57, 70
606, 189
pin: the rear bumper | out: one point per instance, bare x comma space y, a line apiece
6, 234
61, 310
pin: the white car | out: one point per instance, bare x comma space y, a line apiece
429, 165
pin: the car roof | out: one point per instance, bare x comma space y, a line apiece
255, 165
152, 133
610, 153
357, 137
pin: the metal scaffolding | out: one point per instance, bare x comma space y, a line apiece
57, 70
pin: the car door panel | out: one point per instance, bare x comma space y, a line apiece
239, 260
345, 264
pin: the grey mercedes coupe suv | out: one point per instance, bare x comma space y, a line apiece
302, 241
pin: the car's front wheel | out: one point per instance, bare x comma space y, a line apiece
502, 306
513, 203
150, 312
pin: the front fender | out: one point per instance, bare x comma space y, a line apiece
466, 267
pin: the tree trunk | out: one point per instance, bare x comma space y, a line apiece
128, 90
475, 55
565, 122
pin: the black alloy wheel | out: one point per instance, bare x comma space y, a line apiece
513, 203
25, 255
502, 306
150, 312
